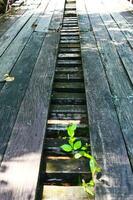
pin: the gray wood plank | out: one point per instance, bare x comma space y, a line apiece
124, 50
120, 41
105, 131
57, 17
7, 20
23, 154
9, 58
119, 82
13, 92
11, 33
44, 20
68, 108
125, 27
82, 17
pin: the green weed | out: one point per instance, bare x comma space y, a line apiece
79, 150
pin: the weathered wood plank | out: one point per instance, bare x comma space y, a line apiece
118, 80
13, 93
68, 62
64, 193
11, 33
119, 39
68, 108
67, 76
26, 142
66, 164
57, 17
105, 131
69, 116
125, 27
122, 46
82, 17
7, 20
10, 56
64, 86
44, 20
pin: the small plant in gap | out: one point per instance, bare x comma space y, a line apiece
79, 150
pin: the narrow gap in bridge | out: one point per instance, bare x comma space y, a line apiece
68, 105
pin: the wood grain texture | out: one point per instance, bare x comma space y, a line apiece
11, 33
106, 137
7, 20
13, 92
22, 157
119, 82
57, 17
122, 46
10, 56
64, 193
125, 27
65, 164
44, 20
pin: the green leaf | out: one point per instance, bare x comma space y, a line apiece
84, 148
94, 166
89, 187
91, 183
71, 141
77, 156
66, 147
90, 190
82, 153
77, 145
87, 155
70, 129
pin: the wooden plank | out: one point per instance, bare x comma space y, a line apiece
57, 17
125, 27
10, 56
122, 46
13, 93
68, 55
70, 85
66, 164
118, 80
68, 69
67, 76
7, 20
119, 39
82, 17
12, 32
68, 62
26, 142
68, 116
44, 20
64, 193
68, 108
128, 16
105, 131
68, 97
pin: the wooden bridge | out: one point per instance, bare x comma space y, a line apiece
64, 61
